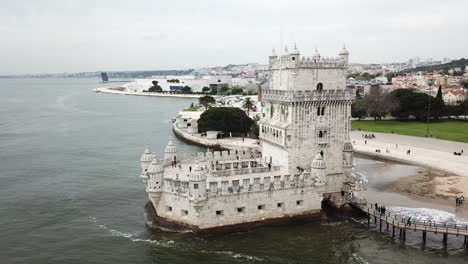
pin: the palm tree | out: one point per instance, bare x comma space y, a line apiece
248, 105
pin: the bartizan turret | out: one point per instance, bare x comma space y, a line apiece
348, 159
317, 170
170, 153
145, 161
344, 55
155, 179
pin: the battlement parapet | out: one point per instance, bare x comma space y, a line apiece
308, 95
308, 63
225, 155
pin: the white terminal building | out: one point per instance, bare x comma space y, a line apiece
305, 157
176, 83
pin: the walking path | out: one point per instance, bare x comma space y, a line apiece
113, 91
425, 152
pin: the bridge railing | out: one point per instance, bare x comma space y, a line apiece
416, 224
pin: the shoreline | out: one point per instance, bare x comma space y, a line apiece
441, 175
112, 91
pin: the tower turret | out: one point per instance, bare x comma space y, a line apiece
317, 170
197, 184
295, 54
155, 178
273, 56
348, 159
344, 54
170, 153
316, 55
145, 161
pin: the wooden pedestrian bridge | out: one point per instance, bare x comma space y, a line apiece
400, 224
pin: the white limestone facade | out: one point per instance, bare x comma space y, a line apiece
305, 156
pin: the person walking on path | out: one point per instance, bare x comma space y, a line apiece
408, 223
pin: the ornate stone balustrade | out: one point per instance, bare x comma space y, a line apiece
308, 95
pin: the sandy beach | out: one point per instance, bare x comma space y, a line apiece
441, 175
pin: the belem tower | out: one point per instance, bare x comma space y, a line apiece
305, 156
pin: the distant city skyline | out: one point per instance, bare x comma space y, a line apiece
47, 36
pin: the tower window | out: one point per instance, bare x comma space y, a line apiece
184, 212
293, 58
320, 134
321, 153
261, 207
169, 208
280, 205
241, 209
318, 111
195, 186
219, 212
319, 87
300, 202
323, 110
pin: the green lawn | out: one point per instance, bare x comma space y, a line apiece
194, 108
447, 129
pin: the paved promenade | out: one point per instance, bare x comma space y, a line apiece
425, 152
234, 143
112, 91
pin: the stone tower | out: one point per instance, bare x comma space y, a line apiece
308, 110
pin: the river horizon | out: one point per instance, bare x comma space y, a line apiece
70, 190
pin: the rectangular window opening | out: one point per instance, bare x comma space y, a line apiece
219, 212
261, 207
241, 209
280, 205
300, 202
169, 208
184, 212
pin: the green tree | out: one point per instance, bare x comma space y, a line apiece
186, 89
438, 105
155, 88
205, 89
359, 109
214, 91
255, 128
206, 100
224, 88
248, 105
236, 90
226, 119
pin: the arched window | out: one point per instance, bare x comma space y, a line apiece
323, 110
318, 111
319, 87
320, 134
321, 153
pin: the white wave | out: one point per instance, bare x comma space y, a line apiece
426, 214
359, 259
132, 237
233, 255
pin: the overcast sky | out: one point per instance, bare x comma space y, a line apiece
45, 36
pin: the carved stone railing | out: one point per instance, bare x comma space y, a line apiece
308, 95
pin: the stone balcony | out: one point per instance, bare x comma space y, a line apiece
308, 95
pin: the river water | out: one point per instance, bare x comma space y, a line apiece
70, 193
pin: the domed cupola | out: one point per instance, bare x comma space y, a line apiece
146, 156
197, 174
318, 162
170, 152
155, 166
348, 147
344, 51
316, 55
